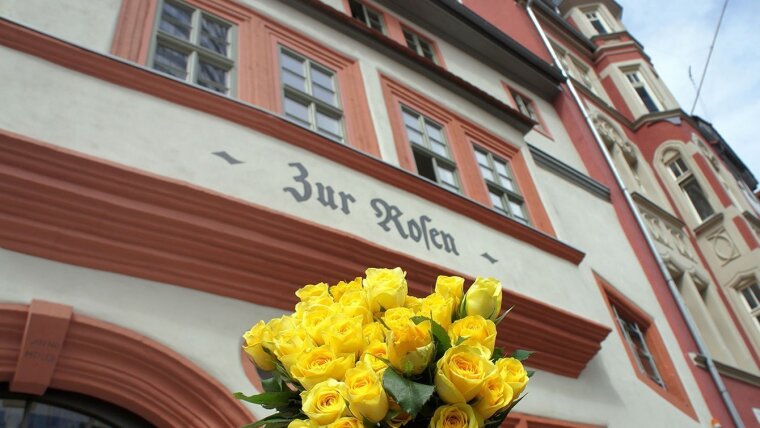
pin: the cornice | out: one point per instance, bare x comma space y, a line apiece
569, 173
658, 210
729, 371
708, 224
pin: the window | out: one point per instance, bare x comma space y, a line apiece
502, 188
642, 90
418, 44
194, 46
751, 295
310, 96
431, 153
691, 188
525, 106
637, 345
369, 17
596, 21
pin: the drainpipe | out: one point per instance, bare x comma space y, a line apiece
631, 205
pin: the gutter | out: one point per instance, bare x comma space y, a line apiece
709, 362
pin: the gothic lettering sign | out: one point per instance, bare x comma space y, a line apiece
390, 218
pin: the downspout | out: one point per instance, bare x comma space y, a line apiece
631, 205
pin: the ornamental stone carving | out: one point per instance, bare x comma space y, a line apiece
723, 246
609, 134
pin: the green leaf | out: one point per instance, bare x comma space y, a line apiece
531, 373
497, 419
269, 400
269, 421
439, 334
502, 316
274, 383
521, 354
410, 395
498, 353
462, 305
461, 340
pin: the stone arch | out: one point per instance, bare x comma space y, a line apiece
48, 345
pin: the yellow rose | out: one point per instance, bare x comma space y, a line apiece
255, 340
476, 329
354, 303
346, 422
366, 395
314, 321
373, 332
315, 292
458, 415
460, 373
412, 303
319, 364
291, 344
483, 298
513, 373
337, 290
277, 326
325, 402
302, 423
396, 317
438, 308
401, 418
343, 334
371, 354
410, 347
386, 288
450, 286
493, 396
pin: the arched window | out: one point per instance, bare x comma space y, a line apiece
688, 183
56, 409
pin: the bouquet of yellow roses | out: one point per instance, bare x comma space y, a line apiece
365, 353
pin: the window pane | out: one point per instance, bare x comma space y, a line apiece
294, 80
434, 131
357, 10
170, 61
751, 300
322, 77
297, 110
324, 95
675, 170
414, 136
212, 77
295, 65
487, 174
439, 148
329, 124
424, 165
481, 157
411, 40
375, 22
427, 50
681, 164
598, 26
447, 176
175, 20
698, 199
411, 120
214, 36
497, 202
516, 208
647, 99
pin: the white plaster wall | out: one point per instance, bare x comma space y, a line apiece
88, 23
204, 328
130, 128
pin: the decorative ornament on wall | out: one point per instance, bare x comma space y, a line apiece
723, 246
607, 131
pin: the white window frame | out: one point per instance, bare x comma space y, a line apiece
192, 48
314, 104
596, 15
438, 160
496, 184
366, 18
754, 293
411, 36
636, 78
682, 177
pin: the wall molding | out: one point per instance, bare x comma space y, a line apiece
75, 209
124, 368
565, 171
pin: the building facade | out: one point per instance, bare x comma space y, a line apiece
173, 170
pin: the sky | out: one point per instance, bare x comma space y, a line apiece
677, 34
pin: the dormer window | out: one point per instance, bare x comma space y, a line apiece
596, 21
368, 16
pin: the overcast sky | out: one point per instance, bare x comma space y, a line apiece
677, 34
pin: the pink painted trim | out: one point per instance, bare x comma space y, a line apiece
44, 333
746, 233
129, 370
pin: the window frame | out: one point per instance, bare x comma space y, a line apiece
606, 28
193, 50
643, 83
684, 177
426, 149
754, 313
530, 104
417, 37
507, 195
315, 105
365, 16
672, 388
